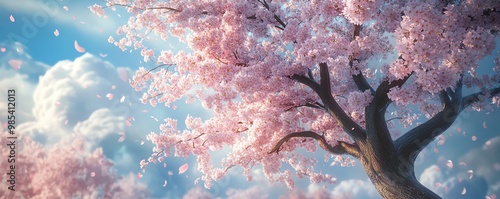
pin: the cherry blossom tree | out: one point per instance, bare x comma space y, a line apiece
282, 75
64, 170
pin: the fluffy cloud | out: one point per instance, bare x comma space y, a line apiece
485, 163
71, 97
355, 189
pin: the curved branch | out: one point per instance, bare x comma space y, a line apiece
351, 127
412, 142
341, 148
472, 98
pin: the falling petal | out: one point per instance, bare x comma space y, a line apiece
464, 191
85, 85
449, 164
488, 142
471, 173
109, 96
142, 142
122, 137
164, 165
103, 55
12, 18
66, 122
183, 168
139, 175
462, 164
170, 173
436, 150
165, 184
15, 64
79, 48
459, 129
145, 111
3, 49
123, 74
56, 32
484, 125
196, 181
128, 123
113, 87
122, 99
65, 8
92, 174
474, 138
58, 103
82, 22
98, 96
438, 184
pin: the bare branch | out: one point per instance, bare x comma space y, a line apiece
331, 106
351, 127
411, 143
156, 67
473, 98
341, 148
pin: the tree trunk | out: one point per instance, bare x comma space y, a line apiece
395, 179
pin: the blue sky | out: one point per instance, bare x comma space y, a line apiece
31, 39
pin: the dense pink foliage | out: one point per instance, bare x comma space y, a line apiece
65, 170
243, 57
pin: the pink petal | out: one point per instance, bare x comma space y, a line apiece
183, 168
79, 48
170, 173
109, 96
122, 137
164, 165
92, 174
122, 99
128, 123
3, 49
56, 32
488, 142
484, 125
462, 164
58, 103
12, 18
113, 87
464, 191
123, 74
98, 96
15, 64
66, 122
65, 8
449, 164
139, 175
459, 129
474, 138
165, 184
471, 174
103, 55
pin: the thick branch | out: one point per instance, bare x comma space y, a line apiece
340, 149
359, 79
411, 143
473, 98
351, 127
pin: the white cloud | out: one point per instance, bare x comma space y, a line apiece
484, 162
355, 189
66, 100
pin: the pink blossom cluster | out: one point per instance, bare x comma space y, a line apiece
243, 54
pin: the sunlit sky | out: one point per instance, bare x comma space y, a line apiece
30, 36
